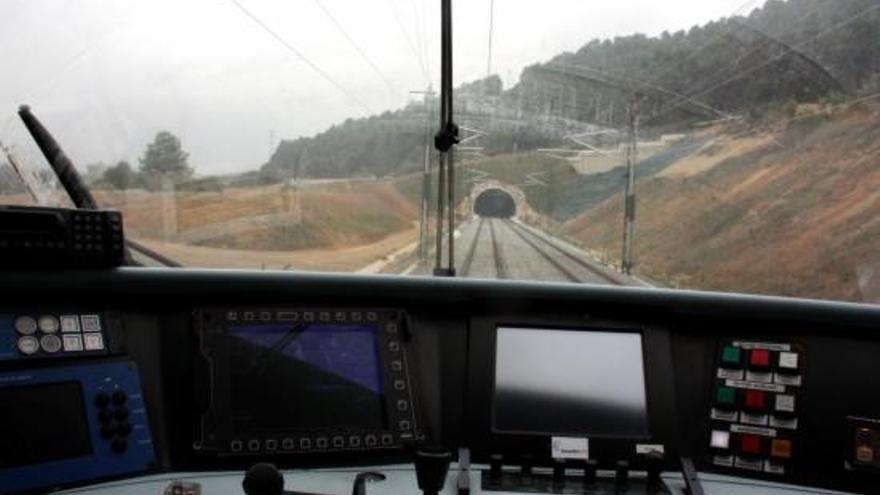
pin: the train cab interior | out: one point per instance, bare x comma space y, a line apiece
449, 290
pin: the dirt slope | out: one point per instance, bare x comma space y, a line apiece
791, 211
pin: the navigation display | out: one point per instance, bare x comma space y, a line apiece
569, 382
305, 376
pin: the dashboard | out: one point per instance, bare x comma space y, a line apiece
557, 388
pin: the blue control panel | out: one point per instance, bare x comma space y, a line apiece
67, 424
47, 334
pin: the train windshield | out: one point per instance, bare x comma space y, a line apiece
728, 145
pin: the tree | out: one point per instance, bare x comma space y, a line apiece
121, 176
165, 158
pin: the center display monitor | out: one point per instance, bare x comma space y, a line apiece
569, 382
305, 380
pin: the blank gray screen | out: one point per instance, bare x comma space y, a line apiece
569, 382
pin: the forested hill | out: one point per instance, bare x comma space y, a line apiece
787, 51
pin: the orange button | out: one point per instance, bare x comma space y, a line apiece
780, 448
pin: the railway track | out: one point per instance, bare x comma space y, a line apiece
503, 249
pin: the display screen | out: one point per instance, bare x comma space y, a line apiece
42, 423
305, 377
569, 382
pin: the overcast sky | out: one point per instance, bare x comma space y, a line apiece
105, 76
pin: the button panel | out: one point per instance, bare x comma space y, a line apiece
42, 334
754, 410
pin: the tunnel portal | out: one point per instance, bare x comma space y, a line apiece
495, 203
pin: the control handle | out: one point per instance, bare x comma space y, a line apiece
432, 466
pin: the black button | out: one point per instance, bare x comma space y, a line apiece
123, 429
119, 397
121, 413
102, 399
119, 445
105, 415
108, 431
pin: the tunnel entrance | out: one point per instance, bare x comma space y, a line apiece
495, 203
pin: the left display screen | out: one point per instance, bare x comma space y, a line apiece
307, 376
31, 429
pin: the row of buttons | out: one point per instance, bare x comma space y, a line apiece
308, 316
747, 451
28, 325
307, 443
51, 344
113, 419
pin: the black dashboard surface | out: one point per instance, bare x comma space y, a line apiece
150, 314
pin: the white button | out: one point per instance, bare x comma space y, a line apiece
50, 343
28, 345
73, 342
788, 360
48, 324
720, 439
94, 342
69, 323
785, 403
91, 323
25, 325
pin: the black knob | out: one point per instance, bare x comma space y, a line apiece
654, 466
119, 445
496, 466
123, 429
119, 398
121, 413
621, 474
108, 431
102, 399
559, 472
590, 466
105, 415
263, 479
432, 465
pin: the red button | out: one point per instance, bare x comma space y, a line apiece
750, 444
759, 357
756, 400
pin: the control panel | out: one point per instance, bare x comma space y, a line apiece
305, 380
754, 417
42, 334
64, 424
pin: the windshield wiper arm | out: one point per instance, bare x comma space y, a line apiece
71, 181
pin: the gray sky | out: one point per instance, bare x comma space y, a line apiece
106, 75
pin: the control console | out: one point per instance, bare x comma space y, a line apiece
65, 424
299, 380
49, 334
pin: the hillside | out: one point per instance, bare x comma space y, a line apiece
794, 51
791, 210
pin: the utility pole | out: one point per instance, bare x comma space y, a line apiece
424, 231
629, 216
491, 32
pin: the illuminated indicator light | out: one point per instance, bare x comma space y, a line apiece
788, 360
780, 448
785, 403
750, 444
759, 357
730, 355
755, 400
726, 396
720, 440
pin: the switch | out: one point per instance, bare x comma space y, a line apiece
788, 362
759, 360
784, 403
755, 400
559, 472
720, 440
495, 466
750, 445
590, 466
731, 357
621, 474
725, 398
780, 448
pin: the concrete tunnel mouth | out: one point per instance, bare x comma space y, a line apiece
495, 203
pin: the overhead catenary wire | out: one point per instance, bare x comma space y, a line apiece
419, 58
356, 46
290, 48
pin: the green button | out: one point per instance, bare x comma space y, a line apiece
730, 354
726, 395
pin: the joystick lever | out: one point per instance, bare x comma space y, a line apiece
263, 479
432, 465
